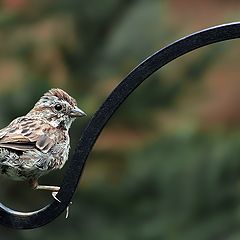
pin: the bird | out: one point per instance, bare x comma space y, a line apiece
37, 143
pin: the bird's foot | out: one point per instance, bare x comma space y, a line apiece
54, 196
68, 210
54, 189
68, 207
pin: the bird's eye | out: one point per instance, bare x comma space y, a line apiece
58, 107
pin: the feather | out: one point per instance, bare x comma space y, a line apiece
20, 136
44, 143
17, 146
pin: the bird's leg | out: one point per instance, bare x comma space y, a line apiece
54, 189
49, 188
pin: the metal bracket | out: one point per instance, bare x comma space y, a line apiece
21, 220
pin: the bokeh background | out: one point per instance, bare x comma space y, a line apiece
167, 166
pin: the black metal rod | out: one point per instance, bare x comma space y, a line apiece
21, 220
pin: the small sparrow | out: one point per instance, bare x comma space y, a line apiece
37, 143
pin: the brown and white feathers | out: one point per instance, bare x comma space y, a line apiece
40, 137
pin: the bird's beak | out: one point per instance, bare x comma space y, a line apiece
77, 112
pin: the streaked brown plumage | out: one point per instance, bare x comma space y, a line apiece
37, 143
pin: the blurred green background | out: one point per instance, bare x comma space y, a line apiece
167, 165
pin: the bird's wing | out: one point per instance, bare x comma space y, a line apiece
24, 134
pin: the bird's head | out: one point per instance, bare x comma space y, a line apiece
58, 108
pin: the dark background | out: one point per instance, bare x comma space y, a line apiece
167, 165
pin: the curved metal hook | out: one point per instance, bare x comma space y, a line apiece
20, 220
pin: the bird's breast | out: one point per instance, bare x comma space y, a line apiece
60, 152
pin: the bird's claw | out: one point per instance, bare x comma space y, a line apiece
54, 196
68, 207
67, 210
